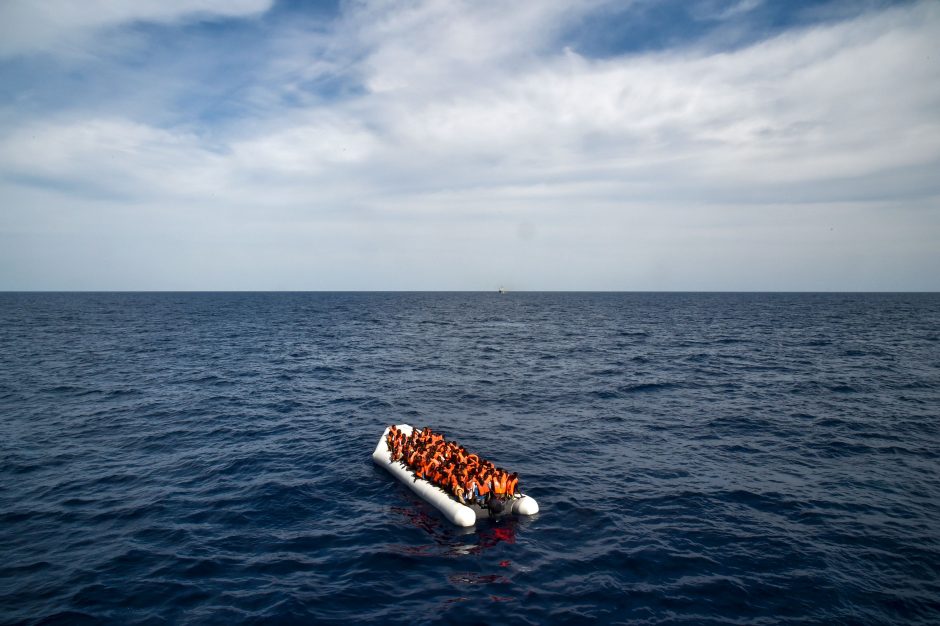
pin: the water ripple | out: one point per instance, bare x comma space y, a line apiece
699, 458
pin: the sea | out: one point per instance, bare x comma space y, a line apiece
698, 458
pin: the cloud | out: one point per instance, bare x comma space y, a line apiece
29, 26
724, 11
461, 127
792, 109
111, 158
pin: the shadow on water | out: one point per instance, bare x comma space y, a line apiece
449, 540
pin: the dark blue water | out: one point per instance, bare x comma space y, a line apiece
699, 458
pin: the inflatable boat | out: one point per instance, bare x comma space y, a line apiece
459, 514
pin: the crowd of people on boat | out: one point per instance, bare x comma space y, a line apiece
462, 474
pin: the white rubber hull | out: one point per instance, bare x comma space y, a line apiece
457, 513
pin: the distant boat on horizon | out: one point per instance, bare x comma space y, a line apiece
502, 291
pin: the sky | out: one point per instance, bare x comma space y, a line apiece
644, 145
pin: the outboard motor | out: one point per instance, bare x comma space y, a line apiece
496, 507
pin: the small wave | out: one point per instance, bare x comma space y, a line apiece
73, 390
330, 370
24, 467
69, 618
605, 372
698, 458
919, 384
633, 333
376, 403
645, 387
123, 393
843, 388
211, 380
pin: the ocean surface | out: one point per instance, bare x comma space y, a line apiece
204, 458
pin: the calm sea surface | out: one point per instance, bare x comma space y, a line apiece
698, 458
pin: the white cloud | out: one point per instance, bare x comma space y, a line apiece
112, 157
28, 26
422, 48
479, 147
795, 108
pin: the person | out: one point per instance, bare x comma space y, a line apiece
511, 484
451, 467
499, 484
483, 488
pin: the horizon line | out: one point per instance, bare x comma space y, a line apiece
494, 291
